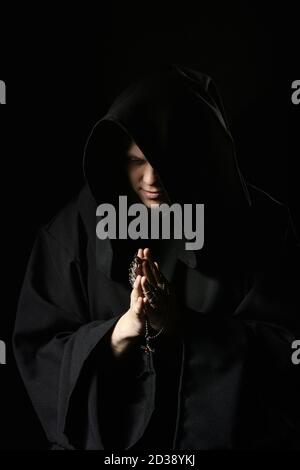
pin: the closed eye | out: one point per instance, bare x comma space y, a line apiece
136, 160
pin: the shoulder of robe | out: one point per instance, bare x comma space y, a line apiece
270, 210
67, 229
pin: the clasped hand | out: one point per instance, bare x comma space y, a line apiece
153, 287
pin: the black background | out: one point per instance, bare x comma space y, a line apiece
62, 69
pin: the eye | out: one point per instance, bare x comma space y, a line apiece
135, 160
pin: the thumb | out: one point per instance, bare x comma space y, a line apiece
138, 306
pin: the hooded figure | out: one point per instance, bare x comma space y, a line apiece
225, 378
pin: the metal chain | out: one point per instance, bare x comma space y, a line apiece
147, 331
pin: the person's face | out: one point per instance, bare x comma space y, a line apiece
143, 178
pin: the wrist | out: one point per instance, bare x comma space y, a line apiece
120, 337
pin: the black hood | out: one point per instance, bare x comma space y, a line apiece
177, 119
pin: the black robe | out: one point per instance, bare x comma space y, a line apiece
223, 379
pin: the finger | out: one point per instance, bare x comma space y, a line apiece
137, 282
146, 290
150, 274
146, 306
135, 291
147, 271
155, 271
140, 256
143, 283
158, 274
144, 287
148, 309
147, 254
150, 293
138, 286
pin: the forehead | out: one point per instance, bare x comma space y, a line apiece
133, 149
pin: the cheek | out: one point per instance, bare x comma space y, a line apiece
135, 174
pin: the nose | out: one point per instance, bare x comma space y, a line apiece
150, 176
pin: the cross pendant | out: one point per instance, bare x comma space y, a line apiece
147, 349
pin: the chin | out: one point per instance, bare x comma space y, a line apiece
150, 202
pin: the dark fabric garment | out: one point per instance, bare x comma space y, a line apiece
161, 430
119, 390
224, 379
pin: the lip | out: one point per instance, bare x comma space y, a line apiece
152, 194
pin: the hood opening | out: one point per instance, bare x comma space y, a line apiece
177, 119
